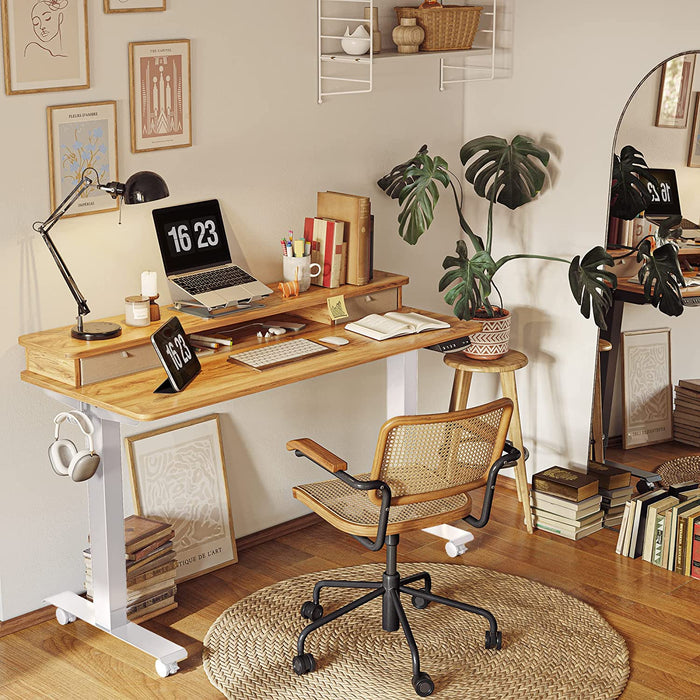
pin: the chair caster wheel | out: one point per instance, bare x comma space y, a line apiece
419, 603
64, 617
164, 670
303, 663
311, 611
493, 641
423, 684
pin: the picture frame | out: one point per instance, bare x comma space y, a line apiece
45, 45
83, 136
674, 92
160, 94
178, 475
115, 6
647, 399
694, 146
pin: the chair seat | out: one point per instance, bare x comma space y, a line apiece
351, 511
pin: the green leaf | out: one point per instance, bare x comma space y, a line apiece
592, 285
394, 181
662, 277
632, 184
471, 280
510, 174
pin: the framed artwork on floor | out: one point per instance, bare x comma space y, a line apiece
646, 387
45, 45
111, 6
178, 475
159, 91
674, 92
83, 136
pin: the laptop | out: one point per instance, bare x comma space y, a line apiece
666, 202
197, 259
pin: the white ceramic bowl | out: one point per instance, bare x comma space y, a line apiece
356, 43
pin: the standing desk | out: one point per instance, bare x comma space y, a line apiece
81, 373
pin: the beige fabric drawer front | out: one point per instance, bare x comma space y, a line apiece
117, 364
377, 303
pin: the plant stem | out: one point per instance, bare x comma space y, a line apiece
502, 261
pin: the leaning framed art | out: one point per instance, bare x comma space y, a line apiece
178, 475
83, 136
159, 91
133, 6
674, 92
45, 45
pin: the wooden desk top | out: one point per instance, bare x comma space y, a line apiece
633, 288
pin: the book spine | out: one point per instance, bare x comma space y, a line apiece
553, 488
363, 251
680, 543
309, 222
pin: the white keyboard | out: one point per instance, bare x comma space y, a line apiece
279, 353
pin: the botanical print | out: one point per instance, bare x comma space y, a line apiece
83, 146
178, 476
45, 45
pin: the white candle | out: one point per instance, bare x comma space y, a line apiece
149, 284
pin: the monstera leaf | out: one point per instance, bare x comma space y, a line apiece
631, 179
662, 277
393, 182
419, 195
592, 285
510, 174
473, 277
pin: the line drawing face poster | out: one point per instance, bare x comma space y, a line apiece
160, 95
46, 45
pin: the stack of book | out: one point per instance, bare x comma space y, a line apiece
686, 412
150, 568
566, 503
663, 527
615, 488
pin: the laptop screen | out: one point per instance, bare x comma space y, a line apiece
191, 237
665, 200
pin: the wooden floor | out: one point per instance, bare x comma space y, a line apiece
656, 611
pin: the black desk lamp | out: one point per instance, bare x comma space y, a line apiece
141, 187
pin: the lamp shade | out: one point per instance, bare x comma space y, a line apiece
144, 186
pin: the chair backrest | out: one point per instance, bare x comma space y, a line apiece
437, 455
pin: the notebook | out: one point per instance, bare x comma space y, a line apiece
666, 202
197, 258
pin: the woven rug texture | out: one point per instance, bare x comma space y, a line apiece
678, 470
554, 646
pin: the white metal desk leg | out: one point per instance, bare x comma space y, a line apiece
108, 609
402, 384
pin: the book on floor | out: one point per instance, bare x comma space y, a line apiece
640, 513
566, 483
572, 533
571, 522
609, 477
393, 324
562, 506
690, 384
651, 526
140, 531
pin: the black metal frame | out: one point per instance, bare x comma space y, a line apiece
392, 585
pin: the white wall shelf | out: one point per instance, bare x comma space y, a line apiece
343, 74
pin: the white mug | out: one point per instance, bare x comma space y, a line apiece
300, 269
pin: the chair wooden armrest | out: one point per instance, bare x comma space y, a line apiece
307, 447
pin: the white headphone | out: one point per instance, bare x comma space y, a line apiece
65, 458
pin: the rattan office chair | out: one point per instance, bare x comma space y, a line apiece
424, 467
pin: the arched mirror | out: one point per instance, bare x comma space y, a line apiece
650, 353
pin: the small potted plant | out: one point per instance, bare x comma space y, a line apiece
513, 174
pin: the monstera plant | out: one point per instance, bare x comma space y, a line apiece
512, 174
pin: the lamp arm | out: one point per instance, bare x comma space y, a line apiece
43, 230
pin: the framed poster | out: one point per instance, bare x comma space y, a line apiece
45, 45
646, 387
159, 91
694, 148
674, 92
133, 6
178, 475
83, 136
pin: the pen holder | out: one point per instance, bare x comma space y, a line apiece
299, 269
154, 309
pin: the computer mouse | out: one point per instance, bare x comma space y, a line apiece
334, 340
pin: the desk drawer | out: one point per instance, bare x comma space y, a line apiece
374, 303
117, 364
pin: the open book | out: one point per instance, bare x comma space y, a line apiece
393, 324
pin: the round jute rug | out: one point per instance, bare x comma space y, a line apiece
554, 646
678, 470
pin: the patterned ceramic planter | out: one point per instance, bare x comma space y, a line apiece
493, 341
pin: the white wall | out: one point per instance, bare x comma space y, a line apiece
264, 147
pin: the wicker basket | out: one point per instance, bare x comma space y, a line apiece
446, 28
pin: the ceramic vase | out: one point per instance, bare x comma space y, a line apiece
376, 34
408, 36
493, 341
356, 43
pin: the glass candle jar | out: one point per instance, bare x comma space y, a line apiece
137, 311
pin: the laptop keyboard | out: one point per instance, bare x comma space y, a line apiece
214, 279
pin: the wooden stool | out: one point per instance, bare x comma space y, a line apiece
505, 366
597, 448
